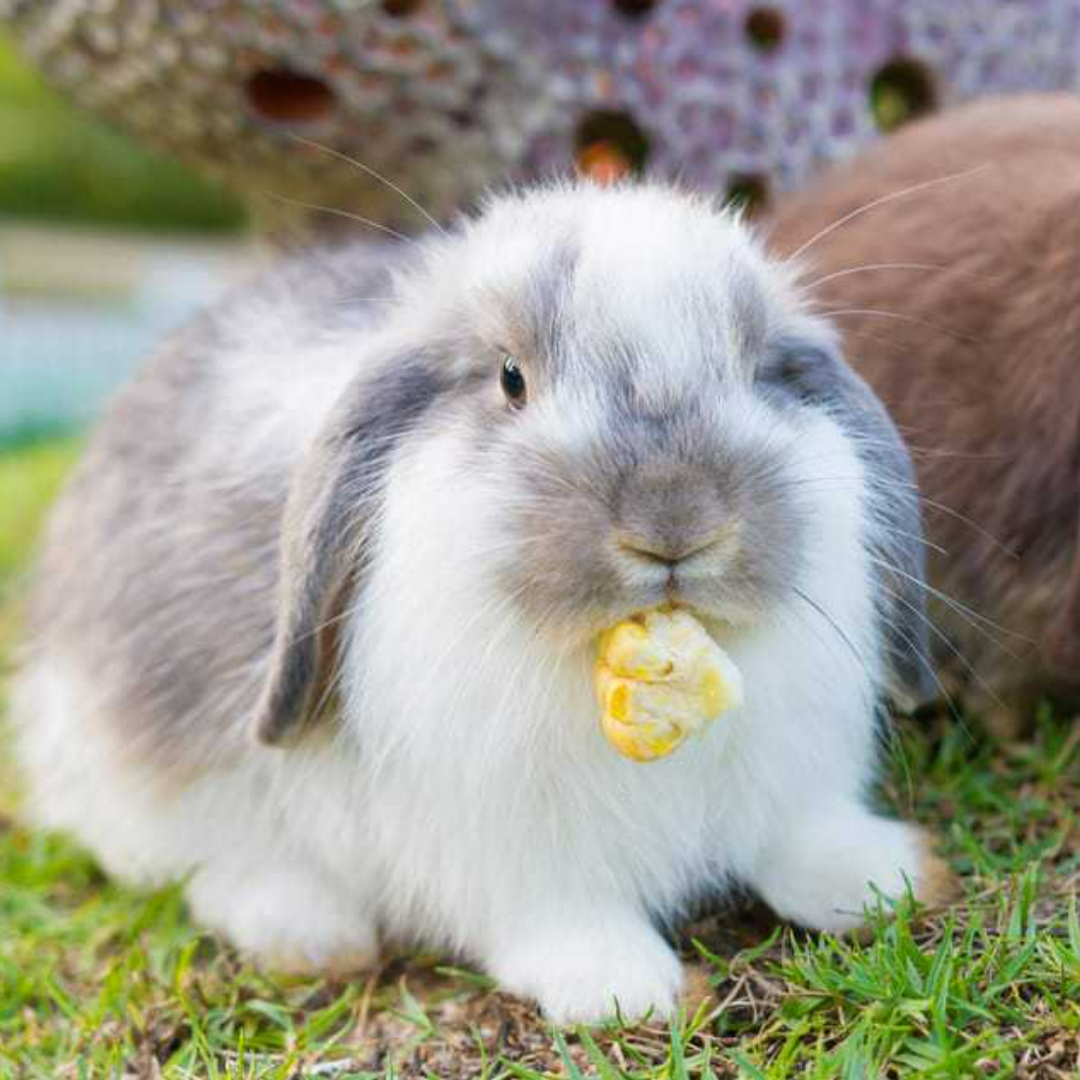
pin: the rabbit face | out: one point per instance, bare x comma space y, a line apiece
631, 408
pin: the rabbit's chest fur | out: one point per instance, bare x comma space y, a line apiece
484, 769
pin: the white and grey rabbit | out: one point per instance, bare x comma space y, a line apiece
315, 623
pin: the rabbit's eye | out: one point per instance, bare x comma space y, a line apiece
513, 382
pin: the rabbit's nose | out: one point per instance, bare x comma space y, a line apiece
668, 550
668, 513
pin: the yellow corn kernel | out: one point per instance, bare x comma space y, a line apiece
635, 716
659, 678
639, 742
631, 651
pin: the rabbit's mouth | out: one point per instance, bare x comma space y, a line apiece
703, 577
723, 606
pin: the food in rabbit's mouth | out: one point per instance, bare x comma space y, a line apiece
660, 677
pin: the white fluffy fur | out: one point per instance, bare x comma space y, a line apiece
469, 800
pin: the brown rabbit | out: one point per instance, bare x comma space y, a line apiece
949, 256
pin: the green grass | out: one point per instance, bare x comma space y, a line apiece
57, 163
28, 482
96, 980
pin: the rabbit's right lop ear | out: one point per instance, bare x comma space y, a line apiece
322, 526
326, 536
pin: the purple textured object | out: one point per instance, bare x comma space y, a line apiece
448, 96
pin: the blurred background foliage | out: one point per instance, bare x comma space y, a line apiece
104, 248
58, 164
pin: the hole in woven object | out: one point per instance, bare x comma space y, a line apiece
900, 91
610, 145
634, 9
401, 9
289, 97
765, 28
748, 192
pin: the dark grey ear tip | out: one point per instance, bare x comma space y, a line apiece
270, 730
278, 719
927, 686
914, 686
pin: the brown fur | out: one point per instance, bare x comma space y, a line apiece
937, 885
698, 989
977, 361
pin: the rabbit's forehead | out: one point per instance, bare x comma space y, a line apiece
666, 295
668, 318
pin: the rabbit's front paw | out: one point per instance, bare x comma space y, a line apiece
591, 974
826, 870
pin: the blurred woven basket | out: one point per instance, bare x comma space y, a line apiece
445, 97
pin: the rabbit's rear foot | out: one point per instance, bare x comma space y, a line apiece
288, 918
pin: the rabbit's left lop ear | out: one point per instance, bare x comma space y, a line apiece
816, 374
897, 541
325, 540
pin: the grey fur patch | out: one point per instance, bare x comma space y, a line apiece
160, 568
148, 547
538, 313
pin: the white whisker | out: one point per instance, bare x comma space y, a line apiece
876, 267
947, 642
901, 317
881, 201
967, 613
374, 175
337, 212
